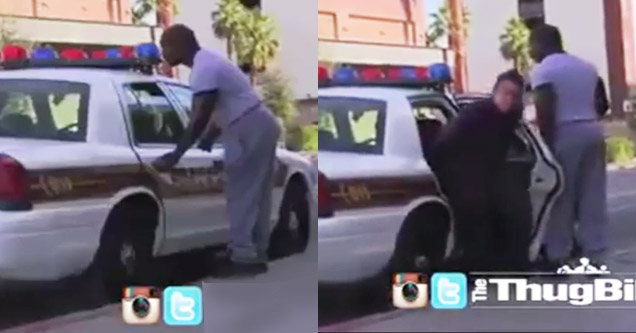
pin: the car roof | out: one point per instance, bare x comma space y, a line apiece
374, 92
83, 75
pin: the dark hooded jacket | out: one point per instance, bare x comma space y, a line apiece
471, 151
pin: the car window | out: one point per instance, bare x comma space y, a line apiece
153, 118
351, 125
183, 95
44, 109
427, 112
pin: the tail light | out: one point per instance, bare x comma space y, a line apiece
325, 207
13, 185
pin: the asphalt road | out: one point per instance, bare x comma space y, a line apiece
349, 308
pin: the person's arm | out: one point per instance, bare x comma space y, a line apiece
209, 137
601, 102
203, 104
545, 104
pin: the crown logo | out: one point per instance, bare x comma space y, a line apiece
584, 269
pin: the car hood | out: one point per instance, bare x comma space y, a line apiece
350, 165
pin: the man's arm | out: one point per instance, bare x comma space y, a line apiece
209, 137
601, 102
203, 104
545, 104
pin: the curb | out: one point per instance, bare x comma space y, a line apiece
66, 320
350, 325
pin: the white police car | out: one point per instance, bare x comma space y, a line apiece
77, 189
380, 206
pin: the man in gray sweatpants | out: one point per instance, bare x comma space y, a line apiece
570, 98
225, 102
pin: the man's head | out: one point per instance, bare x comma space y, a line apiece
179, 45
508, 91
545, 40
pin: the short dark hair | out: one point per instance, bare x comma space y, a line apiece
547, 36
181, 33
511, 75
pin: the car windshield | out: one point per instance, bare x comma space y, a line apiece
352, 125
43, 109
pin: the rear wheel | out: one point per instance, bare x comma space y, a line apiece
291, 234
124, 257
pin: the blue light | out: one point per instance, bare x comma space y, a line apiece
408, 73
113, 53
440, 72
43, 53
148, 50
345, 74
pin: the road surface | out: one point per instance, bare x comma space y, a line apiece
622, 208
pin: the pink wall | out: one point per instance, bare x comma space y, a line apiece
395, 22
114, 11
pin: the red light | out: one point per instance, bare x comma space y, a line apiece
325, 208
323, 74
13, 52
422, 73
394, 73
98, 54
372, 73
127, 52
73, 54
13, 180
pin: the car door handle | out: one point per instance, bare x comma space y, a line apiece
538, 180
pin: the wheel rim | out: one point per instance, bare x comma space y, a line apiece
127, 257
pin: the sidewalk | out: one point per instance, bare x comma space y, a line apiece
108, 319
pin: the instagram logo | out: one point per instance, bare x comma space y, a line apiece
410, 291
141, 305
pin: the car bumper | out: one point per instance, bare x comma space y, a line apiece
48, 243
356, 245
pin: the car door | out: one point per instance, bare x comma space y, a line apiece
192, 192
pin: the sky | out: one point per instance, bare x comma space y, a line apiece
431, 6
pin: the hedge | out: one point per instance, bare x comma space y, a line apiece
620, 150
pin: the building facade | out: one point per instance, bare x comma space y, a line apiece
383, 32
599, 31
89, 23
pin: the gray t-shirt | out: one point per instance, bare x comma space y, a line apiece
574, 81
214, 72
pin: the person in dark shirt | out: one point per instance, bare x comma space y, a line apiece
469, 159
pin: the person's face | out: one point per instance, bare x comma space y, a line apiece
171, 53
507, 96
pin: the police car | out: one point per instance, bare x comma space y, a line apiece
380, 205
77, 189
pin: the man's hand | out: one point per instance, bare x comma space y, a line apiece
208, 139
167, 161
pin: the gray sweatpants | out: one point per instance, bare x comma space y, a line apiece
250, 153
580, 149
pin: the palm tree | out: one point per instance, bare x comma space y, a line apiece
227, 20
514, 45
442, 25
144, 7
255, 42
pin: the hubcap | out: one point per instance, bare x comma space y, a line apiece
420, 262
127, 258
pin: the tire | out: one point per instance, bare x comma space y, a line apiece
421, 244
291, 233
124, 257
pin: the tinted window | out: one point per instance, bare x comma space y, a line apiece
351, 125
183, 96
153, 119
43, 109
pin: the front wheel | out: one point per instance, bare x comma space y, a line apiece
291, 234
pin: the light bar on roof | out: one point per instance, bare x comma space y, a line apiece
42, 53
13, 53
379, 75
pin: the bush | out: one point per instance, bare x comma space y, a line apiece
620, 150
309, 138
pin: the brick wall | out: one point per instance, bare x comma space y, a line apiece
114, 11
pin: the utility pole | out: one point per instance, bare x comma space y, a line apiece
458, 45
